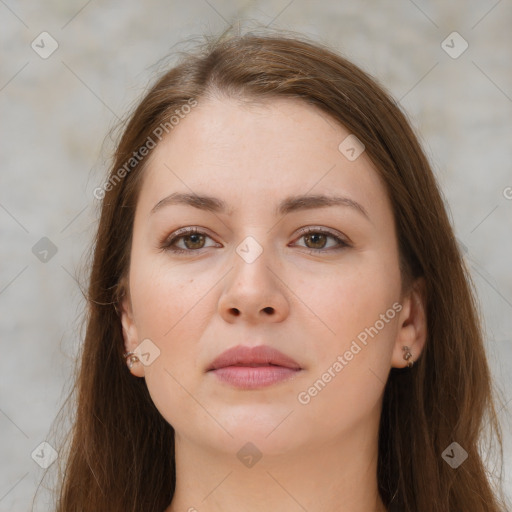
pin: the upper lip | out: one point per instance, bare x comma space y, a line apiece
259, 355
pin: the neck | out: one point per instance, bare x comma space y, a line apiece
336, 475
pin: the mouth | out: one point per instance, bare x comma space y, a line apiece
253, 367
253, 357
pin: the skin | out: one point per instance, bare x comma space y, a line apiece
319, 456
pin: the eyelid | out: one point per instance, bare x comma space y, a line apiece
166, 243
325, 231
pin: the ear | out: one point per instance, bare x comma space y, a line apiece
412, 327
130, 334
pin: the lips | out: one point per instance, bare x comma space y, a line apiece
260, 355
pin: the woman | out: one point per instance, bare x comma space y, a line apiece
280, 318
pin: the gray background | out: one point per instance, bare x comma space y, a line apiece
57, 111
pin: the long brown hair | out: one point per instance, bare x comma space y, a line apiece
120, 452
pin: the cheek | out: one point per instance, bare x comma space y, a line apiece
344, 304
357, 306
174, 304
167, 309
346, 384
163, 297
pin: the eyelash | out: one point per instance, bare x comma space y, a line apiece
166, 244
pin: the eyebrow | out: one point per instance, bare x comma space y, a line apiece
288, 205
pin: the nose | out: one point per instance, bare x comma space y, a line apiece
254, 292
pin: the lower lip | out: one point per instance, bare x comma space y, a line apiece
253, 377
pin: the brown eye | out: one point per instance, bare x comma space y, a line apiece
317, 239
196, 241
192, 240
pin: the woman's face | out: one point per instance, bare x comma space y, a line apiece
329, 300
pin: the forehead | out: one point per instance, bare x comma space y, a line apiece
238, 151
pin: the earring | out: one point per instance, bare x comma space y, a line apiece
133, 359
408, 356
